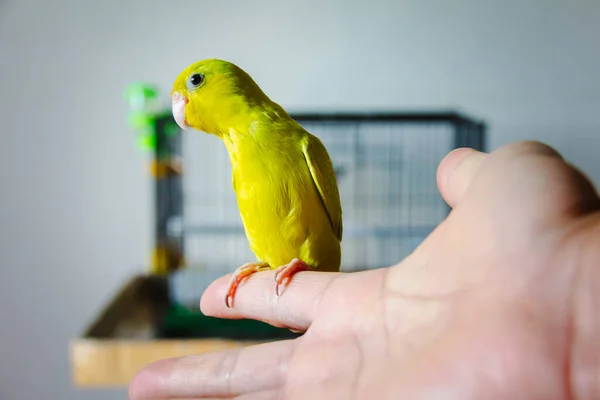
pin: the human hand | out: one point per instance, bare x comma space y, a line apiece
498, 302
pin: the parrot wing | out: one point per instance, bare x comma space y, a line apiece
323, 175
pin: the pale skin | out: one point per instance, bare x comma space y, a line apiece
501, 301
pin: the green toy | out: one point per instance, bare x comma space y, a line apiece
143, 119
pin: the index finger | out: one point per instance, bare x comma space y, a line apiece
255, 299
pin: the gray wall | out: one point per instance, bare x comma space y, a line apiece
75, 205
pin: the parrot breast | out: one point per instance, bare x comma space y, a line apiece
283, 215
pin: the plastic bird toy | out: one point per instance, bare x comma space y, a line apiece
283, 177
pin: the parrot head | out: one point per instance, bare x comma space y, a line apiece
211, 95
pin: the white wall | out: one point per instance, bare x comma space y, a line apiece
75, 202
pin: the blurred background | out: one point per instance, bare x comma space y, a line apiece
76, 206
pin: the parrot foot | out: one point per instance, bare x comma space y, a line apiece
285, 273
239, 275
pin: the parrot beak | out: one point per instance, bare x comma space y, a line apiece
178, 106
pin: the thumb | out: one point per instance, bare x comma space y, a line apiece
456, 172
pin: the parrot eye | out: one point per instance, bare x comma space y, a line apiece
194, 81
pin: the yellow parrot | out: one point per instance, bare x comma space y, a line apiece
283, 178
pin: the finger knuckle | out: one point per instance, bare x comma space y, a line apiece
530, 147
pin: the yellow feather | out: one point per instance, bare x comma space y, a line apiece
282, 175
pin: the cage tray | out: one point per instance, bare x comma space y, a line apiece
180, 322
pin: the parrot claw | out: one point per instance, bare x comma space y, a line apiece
284, 274
238, 276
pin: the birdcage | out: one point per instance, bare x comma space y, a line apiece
385, 166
